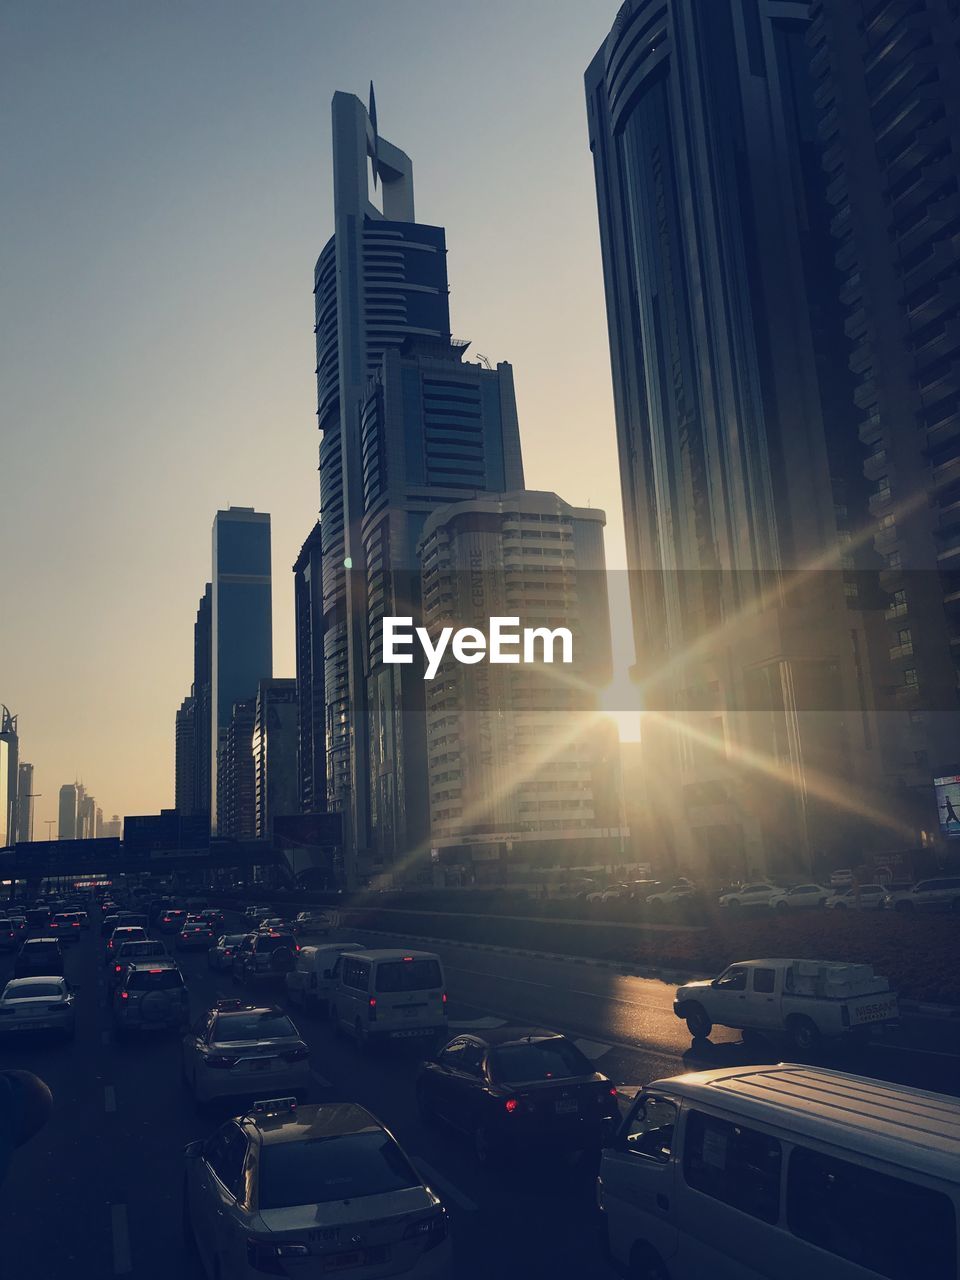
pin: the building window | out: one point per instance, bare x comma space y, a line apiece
910, 677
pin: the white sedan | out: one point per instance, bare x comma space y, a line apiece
760, 894
679, 891
801, 895
37, 1004
869, 897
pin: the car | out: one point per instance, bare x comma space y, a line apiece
136, 952
308, 1191
123, 933
799, 897
681, 890
9, 934
311, 983
841, 878
38, 917
65, 925
274, 924
239, 1048
865, 897
108, 923
196, 936
39, 957
264, 955
256, 914
172, 920
759, 894
517, 1089
941, 893
214, 917
314, 923
389, 995
220, 955
84, 919
38, 1004
152, 997
20, 925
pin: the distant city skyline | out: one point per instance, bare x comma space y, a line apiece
212, 206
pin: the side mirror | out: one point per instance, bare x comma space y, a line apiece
194, 1150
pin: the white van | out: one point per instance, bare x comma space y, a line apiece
311, 983
390, 995
783, 1173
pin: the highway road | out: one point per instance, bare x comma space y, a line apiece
97, 1193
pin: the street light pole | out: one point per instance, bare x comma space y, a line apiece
49, 822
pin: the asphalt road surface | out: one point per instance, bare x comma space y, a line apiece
97, 1192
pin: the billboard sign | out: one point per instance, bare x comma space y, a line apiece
948, 804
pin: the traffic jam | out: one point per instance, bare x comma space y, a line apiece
279, 1098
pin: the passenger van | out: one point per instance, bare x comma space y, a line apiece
783, 1173
311, 983
389, 995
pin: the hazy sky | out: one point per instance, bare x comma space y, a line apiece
165, 193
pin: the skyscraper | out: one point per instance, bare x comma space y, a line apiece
517, 757
25, 802
886, 79
380, 280
67, 812
308, 604
736, 471
185, 759
9, 772
241, 619
202, 675
236, 799
275, 754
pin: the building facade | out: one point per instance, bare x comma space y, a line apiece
200, 692
275, 744
886, 79
241, 621
236, 775
755, 608
185, 758
381, 277
520, 764
25, 802
309, 620
9, 775
67, 813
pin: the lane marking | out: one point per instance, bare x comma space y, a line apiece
109, 1098
444, 1186
120, 1231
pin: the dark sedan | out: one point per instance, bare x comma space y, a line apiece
518, 1090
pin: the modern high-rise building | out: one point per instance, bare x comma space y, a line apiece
519, 760
236, 775
755, 622
403, 432
308, 604
86, 814
111, 827
202, 676
275, 742
67, 813
185, 758
241, 620
25, 802
9, 774
886, 81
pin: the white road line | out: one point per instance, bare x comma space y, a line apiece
109, 1098
121, 1240
444, 1186
593, 1049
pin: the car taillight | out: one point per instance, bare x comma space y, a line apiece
372, 1009
219, 1060
511, 1106
124, 995
268, 1258
443, 1001
431, 1231
295, 1055
118, 968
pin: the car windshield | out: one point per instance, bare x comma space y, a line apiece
155, 980
273, 941
409, 975
526, 1062
252, 1026
232, 939
39, 948
45, 989
336, 1168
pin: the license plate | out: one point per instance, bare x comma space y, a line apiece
359, 1258
875, 1012
567, 1107
421, 1031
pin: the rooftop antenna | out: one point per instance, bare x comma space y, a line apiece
484, 361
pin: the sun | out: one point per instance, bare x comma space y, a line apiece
621, 702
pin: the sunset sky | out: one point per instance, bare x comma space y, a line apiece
165, 193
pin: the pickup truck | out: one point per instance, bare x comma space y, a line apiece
809, 1000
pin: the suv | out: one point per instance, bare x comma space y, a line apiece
40, 957
939, 894
151, 997
265, 955
128, 953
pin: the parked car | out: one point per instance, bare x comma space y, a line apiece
759, 894
865, 897
942, 893
799, 897
806, 999
681, 890
841, 878
517, 1090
